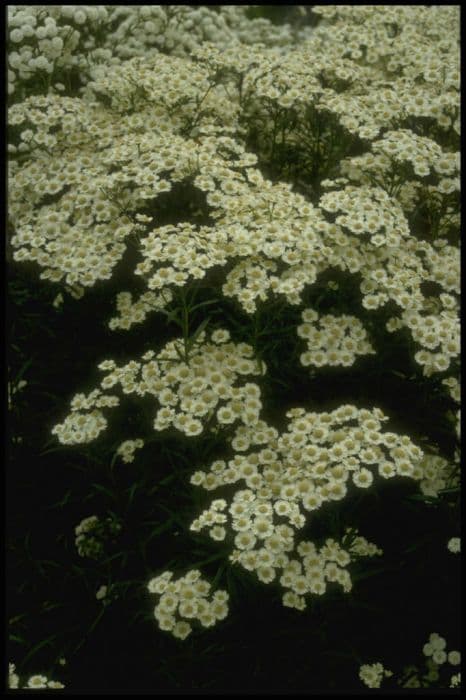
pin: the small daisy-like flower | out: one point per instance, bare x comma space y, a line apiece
363, 478
454, 658
181, 629
37, 682
218, 533
454, 545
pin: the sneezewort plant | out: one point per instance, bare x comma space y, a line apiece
238, 171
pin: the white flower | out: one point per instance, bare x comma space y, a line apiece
439, 656
101, 593
454, 658
37, 682
454, 545
79, 17
372, 674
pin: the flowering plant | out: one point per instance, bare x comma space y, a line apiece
249, 229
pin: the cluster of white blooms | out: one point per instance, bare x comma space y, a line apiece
394, 150
410, 52
37, 681
359, 546
296, 473
281, 241
367, 211
437, 473
454, 388
81, 427
53, 45
454, 545
130, 313
436, 655
332, 340
436, 648
127, 449
191, 388
91, 534
117, 111
372, 675
439, 336
186, 600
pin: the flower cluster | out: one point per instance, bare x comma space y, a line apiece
127, 449
296, 473
437, 473
436, 655
209, 149
435, 648
80, 427
359, 546
185, 600
130, 313
92, 534
372, 675
51, 45
332, 340
37, 681
191, 388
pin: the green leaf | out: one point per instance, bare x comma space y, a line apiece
105, 490
174, 516
34, 650
22, 370
203, 303
197, 332
220, 571
172, 316
53, 449
62, 502
159, 529
131, 491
